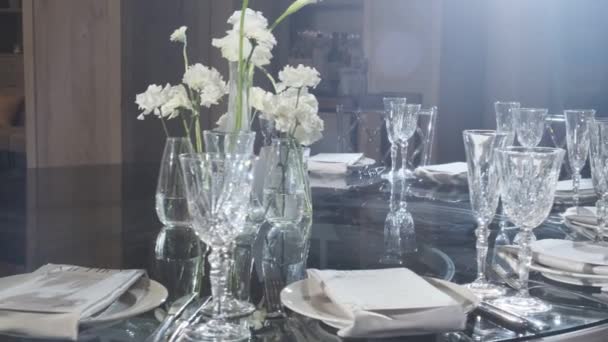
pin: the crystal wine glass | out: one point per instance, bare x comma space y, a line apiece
599, 172
407, 128
528, 178
224, 143
529, 125
480, 146
218, 190
393, 111
577, 139
505, 122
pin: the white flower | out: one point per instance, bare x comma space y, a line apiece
179, 35
256, 34
255, 27
260, 99
229, 46
299, 77
310, 127
208, 82
178, 99
152, 99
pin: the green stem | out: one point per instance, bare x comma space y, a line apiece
270, 78
162, 120
239, 95
199, 140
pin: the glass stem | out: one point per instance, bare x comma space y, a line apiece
394, 151
482, 232
576, 183
525, 259
404, 146
600, 207
219, 272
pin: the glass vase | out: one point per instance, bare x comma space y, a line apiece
171, 202
236, 121
288, 207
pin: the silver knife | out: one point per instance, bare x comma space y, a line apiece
511, 320
188, 321
175, 310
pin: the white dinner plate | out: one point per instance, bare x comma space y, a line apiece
306, 298
143, 296
576, 280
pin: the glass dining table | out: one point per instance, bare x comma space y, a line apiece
103, 216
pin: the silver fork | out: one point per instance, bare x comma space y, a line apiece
273, 287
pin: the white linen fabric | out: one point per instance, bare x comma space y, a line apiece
449, 174
333, 163
389, 302
49, 302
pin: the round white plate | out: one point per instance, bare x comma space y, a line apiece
576, 281
306, 298
143, 296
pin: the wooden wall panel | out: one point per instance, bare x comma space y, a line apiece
73, 82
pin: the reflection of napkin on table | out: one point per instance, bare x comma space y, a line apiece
450, 173
565, 189
49, 302
582, 221
333, 163
389, 302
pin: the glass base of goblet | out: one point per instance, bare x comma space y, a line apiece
523, 305
517, 238
399, 175
486, 290
231, 308
216, 330
391, 259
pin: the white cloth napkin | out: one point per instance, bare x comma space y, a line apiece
573, 256
389, 302
333, 163
49, 302
450, 173
582, 221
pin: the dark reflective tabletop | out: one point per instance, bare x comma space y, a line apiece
103, 216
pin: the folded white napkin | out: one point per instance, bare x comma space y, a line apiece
584, 215
389, 302
333, 163
450, 173
56, 297
328, 181
573, 256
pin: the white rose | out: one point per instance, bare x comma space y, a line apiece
179, 35
208, 82
178, 99
260, 99
152, 99
255, 27
309, 128
299, 77
229, 46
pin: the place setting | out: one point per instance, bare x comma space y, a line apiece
286, 175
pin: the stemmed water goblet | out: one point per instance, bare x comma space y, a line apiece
529, 125
577, 139
218, 191
480, 147
393, 113
599, 172
399, 231
407, 128
527, 181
